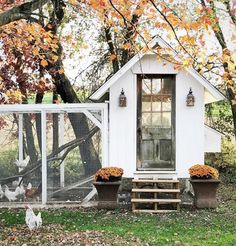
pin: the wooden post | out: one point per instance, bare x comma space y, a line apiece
44, 156
21, 144
155, 196
61, 142
105, 148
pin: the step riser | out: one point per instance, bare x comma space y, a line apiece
155, 175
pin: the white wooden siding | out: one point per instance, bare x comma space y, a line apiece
212, 140
189, 120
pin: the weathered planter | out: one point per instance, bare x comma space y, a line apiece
205, 192
107, 194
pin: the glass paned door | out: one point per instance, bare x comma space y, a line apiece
156, 122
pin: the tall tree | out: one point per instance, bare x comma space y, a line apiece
188, 26
195, 29
41, 49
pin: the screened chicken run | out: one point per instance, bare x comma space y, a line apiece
50, 153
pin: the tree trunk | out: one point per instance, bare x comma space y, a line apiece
31, 150
89, 156
27, 124
231, 96
220, 37
22, 11
39, 100
55, 131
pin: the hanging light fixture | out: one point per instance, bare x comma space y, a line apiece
122, 99
190, 98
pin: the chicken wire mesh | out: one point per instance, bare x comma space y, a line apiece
20, 171
73, 153
69, 169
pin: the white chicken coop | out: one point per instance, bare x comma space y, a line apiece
50, 152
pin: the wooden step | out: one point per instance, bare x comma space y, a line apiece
158, 205
154, 211
155, 181
142, 200
144, 174
156, 190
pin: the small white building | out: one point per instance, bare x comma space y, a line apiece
156, 132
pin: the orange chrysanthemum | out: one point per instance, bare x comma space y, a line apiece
203, 172
108, 174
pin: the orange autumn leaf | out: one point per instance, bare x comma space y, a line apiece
61, 71
36, 51
127, 46
73, 2
113, 57
44, 63
49, 26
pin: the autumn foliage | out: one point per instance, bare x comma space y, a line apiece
29, 46
108, 174
203, 172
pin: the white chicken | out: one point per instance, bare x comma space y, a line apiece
23, 164
20, 192
1, 192
32, 221
10, 195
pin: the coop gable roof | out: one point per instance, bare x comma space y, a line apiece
156, 41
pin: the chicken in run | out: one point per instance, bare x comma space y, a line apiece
32, 220
23, 164
20, 192
33, 192
10, 195
1, 192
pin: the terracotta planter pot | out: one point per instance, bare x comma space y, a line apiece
107, 194
205, 192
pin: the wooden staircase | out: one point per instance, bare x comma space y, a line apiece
155, 195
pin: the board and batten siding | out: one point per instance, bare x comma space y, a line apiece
122, 125
123, 121
212, 140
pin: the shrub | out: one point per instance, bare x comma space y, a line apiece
225, 161
203, 172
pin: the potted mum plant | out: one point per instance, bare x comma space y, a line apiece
107, 181
204, 180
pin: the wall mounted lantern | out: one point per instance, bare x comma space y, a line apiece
190, 98
122, 99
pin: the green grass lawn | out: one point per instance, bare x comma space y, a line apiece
121, 227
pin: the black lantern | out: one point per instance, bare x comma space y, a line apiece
190, 98
122, 99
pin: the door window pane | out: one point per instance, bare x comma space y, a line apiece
147, 86
166, 119
146, 119
166, 103
156, 86
146, 106
167, 86
156, 119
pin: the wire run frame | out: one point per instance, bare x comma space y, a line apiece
88, 109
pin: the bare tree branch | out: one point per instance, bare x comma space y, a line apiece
51, 157
230, 11
22, 11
